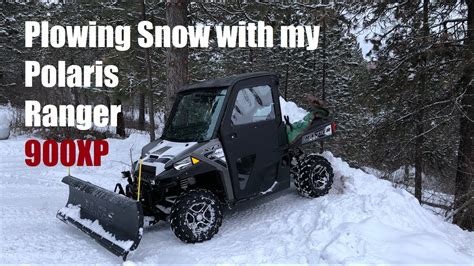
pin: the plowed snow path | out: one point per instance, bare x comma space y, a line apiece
362, 220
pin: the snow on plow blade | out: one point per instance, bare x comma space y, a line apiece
113, 220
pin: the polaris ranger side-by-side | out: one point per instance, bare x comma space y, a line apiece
225, 142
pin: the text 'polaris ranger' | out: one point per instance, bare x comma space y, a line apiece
225, 142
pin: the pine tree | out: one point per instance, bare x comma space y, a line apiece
464, 196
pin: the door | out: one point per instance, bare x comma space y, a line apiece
249, 135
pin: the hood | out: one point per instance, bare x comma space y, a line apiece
164, 151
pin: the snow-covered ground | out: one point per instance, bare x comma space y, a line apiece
362, 220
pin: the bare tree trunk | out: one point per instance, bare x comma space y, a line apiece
120, 130
419, 158
464, 186
75, 93
151, 108
406, 176
141, 111
321, 149
420, 115
176, 58
286, 76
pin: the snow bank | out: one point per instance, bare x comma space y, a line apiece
292, 110
372, 222
6, 113
5, 122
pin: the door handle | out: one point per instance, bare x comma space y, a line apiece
233, 136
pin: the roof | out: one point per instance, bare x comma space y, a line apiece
227, 81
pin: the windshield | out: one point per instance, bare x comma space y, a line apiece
195, 115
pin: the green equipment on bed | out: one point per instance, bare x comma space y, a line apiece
293, 130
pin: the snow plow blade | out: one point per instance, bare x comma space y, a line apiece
113, 220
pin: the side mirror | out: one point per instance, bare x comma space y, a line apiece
126, 174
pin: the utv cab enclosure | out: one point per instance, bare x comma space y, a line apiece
225, 142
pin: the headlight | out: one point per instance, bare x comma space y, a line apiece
184, 163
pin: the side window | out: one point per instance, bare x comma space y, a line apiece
253, 105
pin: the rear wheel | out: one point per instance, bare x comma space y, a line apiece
196, 216
315, 176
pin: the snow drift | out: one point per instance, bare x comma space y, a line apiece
5, 122
362, 220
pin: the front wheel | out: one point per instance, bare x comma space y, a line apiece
315, 176
196, 216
